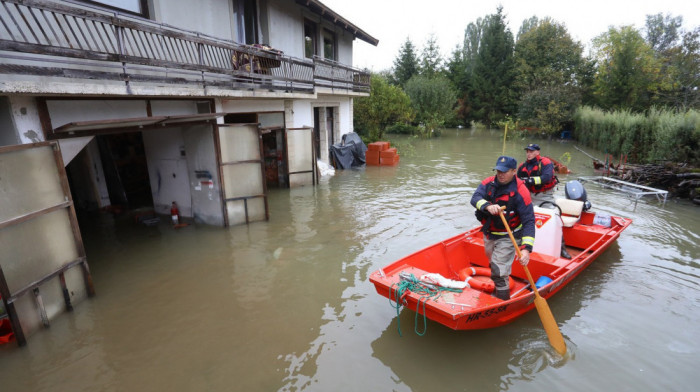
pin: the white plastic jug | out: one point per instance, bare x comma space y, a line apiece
547, 232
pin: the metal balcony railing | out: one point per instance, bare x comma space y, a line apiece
52, 39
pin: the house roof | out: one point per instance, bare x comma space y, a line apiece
321, 9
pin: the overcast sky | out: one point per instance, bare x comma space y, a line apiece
391, 21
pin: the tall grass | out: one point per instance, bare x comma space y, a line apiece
658, 134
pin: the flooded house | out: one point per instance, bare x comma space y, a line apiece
128, 104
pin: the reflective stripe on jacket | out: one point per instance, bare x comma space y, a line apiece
541, 170
519, 211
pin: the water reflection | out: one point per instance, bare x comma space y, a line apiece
287, 305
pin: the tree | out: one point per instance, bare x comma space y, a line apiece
386, 105
546, 55
551, 74
679, 55
628, 72
433, 100
405, 64
460, 68
494, 71
431, 60
662, 33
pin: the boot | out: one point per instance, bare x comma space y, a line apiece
503, 294
564, 253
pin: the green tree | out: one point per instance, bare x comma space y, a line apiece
628, 72
431, 59
663, 33
551, 74
385, 106
405, 64
460, 68
678, 54
494, 71
546, 55
433, 100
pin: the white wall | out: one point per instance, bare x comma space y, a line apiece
251, 106
25, 116
8, 135
167, 170
201, 160
211, 17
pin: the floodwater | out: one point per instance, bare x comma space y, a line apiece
287, 304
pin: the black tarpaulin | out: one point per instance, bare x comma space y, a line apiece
349, 152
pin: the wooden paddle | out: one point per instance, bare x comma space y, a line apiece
548, 322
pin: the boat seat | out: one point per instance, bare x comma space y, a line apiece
570, 211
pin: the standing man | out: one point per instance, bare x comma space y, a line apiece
537, 173
504, 189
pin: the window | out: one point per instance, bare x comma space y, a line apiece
139, 7
247, 21
309, 39
329, 46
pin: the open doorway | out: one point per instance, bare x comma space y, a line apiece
125, 169
274, 155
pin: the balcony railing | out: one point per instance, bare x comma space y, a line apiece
91, 44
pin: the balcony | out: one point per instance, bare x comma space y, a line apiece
43, 39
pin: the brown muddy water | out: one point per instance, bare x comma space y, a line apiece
286, 304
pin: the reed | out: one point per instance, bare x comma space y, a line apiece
659, 134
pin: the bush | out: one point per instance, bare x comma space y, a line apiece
404, 129
658, 134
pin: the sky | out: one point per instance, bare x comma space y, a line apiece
392, 21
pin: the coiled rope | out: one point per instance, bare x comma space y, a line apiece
409, 283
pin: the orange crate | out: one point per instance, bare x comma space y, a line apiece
390, 153
389, 161
372, 157
378, 146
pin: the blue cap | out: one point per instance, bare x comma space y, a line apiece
532, 146
505, 163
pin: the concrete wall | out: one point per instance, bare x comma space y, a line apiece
8, 135
167, 170
211, 17
25, 116
201, 162
251, 106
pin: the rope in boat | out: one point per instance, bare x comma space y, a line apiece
409, 283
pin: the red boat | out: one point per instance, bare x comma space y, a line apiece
586, 235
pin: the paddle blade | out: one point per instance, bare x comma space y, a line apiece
550, 325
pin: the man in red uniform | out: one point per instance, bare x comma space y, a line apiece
537, 173
504, 189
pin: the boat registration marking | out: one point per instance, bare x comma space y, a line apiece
486, 313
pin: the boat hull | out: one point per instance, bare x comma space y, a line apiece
476, 309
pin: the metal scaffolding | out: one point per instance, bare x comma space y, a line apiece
635, 190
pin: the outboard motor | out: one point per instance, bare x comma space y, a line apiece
574, 190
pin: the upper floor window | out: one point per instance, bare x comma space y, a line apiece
247, 21
139, 7
330, 47
310, 36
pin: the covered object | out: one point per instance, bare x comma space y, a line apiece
350, 152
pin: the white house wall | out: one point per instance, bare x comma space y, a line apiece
251, 106
167, 170
66, 111
201, 161
211, 17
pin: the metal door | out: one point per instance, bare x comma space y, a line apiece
39, 237
300, 156
242, 172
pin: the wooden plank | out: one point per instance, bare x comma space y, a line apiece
34, 214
